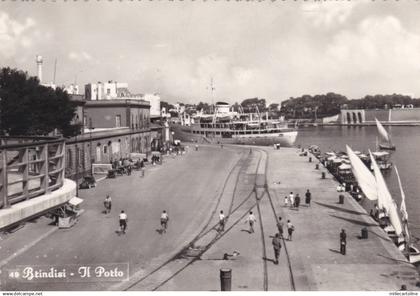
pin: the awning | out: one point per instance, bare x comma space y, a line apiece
155, 153
331, 158
337, 160
75, 201
380, 153
344, 166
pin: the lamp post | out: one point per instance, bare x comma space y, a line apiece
91, 128
77, 160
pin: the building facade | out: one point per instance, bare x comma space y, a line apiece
112, 130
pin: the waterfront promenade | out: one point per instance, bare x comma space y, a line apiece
193, 188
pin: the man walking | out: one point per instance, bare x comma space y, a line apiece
290, 229
251, 220
221, 222
297, 201
123, 222
107, 204
277, 247
343, 242
164, 218
308, 198
280, 225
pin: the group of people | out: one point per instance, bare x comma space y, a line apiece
294, 201
123, 219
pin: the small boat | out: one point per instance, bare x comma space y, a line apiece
386, 143
411, 252
382, 159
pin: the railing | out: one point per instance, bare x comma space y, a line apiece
30, 167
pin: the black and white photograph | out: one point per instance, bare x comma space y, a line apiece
209, 145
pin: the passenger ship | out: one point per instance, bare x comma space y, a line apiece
225, 126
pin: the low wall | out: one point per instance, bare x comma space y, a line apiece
26, 209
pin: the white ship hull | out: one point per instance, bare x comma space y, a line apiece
285, 138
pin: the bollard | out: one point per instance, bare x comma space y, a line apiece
323, 175
341, 199
225, 279
310, 159
364, 233
317, 166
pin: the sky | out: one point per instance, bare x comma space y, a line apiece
272, 50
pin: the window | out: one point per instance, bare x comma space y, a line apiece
118, 121
105, 149
69, 159
108, 91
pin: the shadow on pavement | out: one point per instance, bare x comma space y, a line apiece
268, 259
335, 251
357, 222
340, 208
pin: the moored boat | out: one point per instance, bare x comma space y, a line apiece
228, 127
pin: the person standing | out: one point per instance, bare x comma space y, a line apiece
107, 204
292, 199
280, 225
308, 198
164, 218
290, 229
277, 247
123, 222
297, 201
343, 242
286, 201
251, 220
222, 220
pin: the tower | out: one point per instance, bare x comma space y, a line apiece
39, 67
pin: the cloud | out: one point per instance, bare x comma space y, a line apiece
379, 44
329, 13
14, 34
80, 56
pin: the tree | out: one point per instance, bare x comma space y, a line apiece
28, 108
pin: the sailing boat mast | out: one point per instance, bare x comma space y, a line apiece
404, 214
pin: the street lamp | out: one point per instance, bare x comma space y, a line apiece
91, 128
77, 160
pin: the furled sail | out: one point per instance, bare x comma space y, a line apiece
403, 208
364, 177
382, 131
385, 200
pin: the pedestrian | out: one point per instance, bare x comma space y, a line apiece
343, 242
280, 225
290, 229
251, 220
164, 218
297, 201
292, 199
277, 247
196, 147
308, 198
222, 221
123, 222
286, 201
107, 204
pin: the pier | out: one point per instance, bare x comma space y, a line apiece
193, 188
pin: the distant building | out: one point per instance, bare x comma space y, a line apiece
119, 90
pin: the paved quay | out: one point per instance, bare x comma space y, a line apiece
372, 264
193, 188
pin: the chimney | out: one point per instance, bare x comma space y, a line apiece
39, 67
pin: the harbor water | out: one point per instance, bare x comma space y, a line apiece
406, 158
